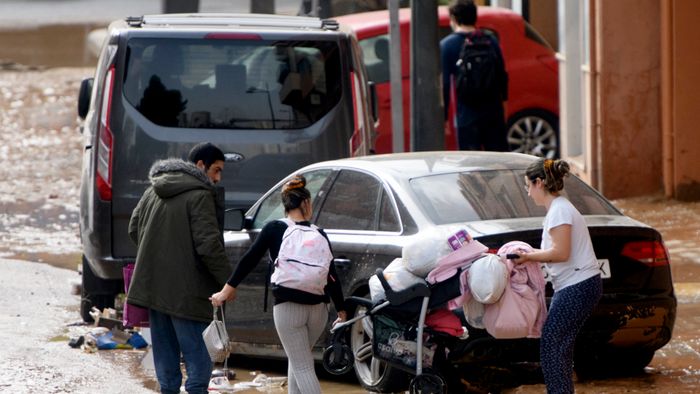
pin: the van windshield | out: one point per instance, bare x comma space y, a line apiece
232, 84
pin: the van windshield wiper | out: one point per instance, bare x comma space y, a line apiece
253, 89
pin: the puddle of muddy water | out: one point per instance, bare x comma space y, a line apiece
47, 46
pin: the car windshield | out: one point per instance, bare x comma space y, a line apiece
232, 84
497, 194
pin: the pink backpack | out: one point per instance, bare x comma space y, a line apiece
303, 260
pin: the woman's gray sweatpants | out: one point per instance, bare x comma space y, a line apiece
299, 326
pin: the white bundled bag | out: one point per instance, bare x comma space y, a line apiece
422, 255
398, 277
488, 277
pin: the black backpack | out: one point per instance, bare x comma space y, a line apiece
477, 69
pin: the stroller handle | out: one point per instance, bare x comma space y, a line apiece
403, 296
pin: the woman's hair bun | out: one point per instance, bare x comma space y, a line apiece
295, 183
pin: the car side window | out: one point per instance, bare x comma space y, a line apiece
388, 217
352, 203
375, 55
271, 208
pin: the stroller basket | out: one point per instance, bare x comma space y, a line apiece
395, 342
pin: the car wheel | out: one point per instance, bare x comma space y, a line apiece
373, 374
607, 363
534, 133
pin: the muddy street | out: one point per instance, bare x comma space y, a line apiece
40, 151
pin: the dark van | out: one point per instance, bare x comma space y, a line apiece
274, 92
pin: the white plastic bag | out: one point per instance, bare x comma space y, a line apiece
422, 255
398, 277
474, 313
488, 277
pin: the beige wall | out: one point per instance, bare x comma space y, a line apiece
543, 17
681, 105
628, 62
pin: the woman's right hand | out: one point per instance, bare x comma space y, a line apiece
228, 293
342, 316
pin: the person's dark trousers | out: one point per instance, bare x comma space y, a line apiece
170, 337
482, 127
568, 311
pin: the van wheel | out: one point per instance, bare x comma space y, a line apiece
535, 133
373, 374
87, 301
96, 292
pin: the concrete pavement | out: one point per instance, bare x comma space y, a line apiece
16, 14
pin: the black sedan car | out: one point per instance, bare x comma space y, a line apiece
371, 207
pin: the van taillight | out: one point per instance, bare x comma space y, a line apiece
104, 141
651, 253
357, 114
233, 36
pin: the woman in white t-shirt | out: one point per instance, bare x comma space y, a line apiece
569, 258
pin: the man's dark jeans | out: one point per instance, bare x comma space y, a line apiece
172, 336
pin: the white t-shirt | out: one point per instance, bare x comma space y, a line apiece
582, 262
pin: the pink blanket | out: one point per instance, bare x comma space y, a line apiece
522, 310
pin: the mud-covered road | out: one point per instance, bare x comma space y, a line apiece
40, 159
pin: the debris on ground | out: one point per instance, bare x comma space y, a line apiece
107, 333
260, 382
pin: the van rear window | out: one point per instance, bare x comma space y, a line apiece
232, 84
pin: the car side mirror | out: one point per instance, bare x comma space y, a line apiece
374, 104
235, 220
84, 97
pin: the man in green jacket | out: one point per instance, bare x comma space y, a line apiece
180, 262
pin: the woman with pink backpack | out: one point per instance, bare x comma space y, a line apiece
567, 252
303, 281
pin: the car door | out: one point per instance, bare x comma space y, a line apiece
247, 322
361, 218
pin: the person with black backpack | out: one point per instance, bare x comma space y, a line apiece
303, 280
472, 62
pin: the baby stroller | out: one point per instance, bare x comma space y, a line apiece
439, 362
398, 338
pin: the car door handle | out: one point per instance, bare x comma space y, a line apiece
342, 263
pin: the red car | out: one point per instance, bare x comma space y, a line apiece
532, 110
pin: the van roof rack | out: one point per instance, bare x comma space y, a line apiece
213, 19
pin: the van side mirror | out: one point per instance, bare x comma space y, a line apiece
84, 97
374, 104
235, 220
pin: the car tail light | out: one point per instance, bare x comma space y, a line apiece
357, 114
104, 141
651, 253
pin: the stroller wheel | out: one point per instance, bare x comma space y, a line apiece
337, 359
427, 384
